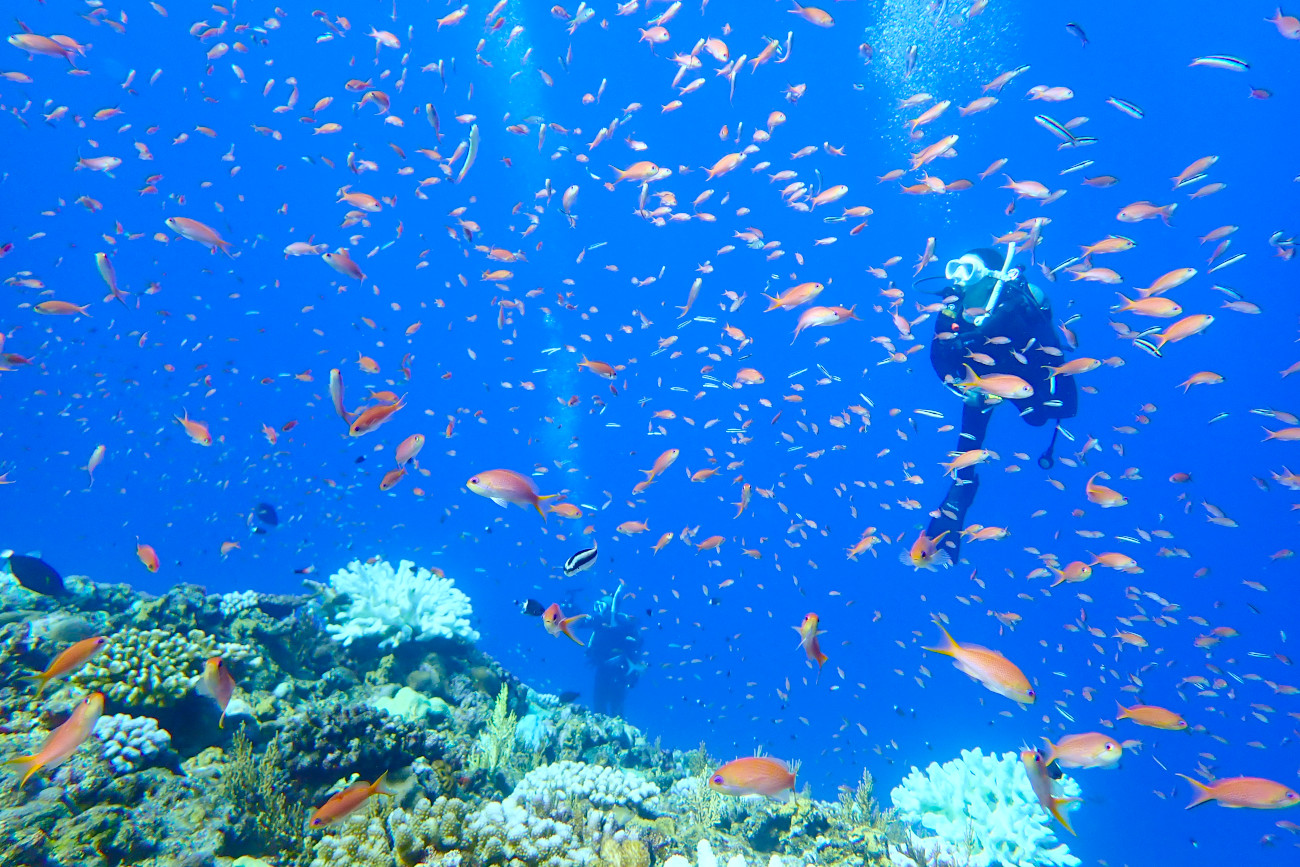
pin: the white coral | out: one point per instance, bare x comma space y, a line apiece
982, 809
535, 824
704, 857
402, 605
600, 784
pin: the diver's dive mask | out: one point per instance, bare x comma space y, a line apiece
969, 270
965, 271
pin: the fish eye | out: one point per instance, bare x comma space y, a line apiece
718, 779
1109, 746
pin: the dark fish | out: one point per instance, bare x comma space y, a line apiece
531, 607
265, 513
36, 575
910, 62
568, 696
1077, 31
580, 561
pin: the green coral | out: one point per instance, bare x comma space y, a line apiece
497, 740
154, 667
263, 818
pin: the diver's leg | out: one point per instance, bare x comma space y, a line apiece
950, 517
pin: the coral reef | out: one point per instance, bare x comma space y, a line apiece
486, 771
980, 810
396, 606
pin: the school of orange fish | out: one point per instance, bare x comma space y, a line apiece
403, 117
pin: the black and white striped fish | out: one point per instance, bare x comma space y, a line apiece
580, 562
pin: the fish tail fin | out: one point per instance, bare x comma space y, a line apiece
537, 504
41, 681
1167, 212
950, 645
30, 764
618, 173
1055, 809
566, 622
1060, 577
971, 376
1201, 792
1051, 752
381, 786
1127, 305
1121, 712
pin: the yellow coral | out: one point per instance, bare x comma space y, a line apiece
496, 742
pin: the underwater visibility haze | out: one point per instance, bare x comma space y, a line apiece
539, 435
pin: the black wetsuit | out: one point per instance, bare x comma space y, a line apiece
615, 651
1019, 316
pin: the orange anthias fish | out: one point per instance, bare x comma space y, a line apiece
409, 449
217, 684
663, 462
808, 633
345, 803
504, 487
372, 417
148, 556
200, 232
1151, 716
1089, 750
65, 739
990, 668
68, 661
1042, 786
557, 624
197, 430
1254, 793
925, 553
1107, 498
336, 395
793, 297
1004, 385
755, 775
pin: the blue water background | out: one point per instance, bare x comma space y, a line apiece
720, 661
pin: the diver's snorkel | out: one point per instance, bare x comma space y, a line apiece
1003, 275
613, 604
969, 270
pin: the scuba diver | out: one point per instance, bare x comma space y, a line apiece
615, 649
993, 313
